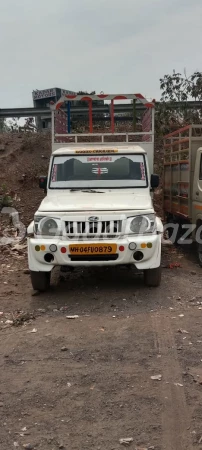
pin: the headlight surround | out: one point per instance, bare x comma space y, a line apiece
143, 224
47, 226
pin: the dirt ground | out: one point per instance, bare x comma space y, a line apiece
85, 383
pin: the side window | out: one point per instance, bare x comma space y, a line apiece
200, 169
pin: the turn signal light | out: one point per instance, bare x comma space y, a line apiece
143, 245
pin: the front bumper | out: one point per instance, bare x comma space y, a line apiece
151, 256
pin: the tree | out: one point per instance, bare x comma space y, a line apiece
179, 88
13, 124
86, 93
3, 125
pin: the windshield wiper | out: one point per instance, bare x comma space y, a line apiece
87, 190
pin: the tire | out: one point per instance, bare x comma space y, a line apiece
199, 246
152, 277
199, 254
40, 280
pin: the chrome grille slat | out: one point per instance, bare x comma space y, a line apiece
75, 227
87, 227
99, 228
89, 230
111, 227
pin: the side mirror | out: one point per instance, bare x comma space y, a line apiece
43, 183
154, 181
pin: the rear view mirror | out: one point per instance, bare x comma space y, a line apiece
154, 181
43, 183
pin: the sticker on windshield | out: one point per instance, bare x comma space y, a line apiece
99, 170
54, 173
99, 158
142, 168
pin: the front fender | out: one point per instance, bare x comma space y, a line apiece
30, 228
159, 225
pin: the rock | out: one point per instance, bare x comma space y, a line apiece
9, 322
156, 377
193, 272
28, 446
19, 247
1, 405
2, 147
142, 448
23, 317
126, 441
26, 272
64, 349
61, 446
196, 373
72, 317
182, 331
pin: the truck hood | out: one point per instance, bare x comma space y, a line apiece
107, 201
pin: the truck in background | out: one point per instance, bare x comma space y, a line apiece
183, 184
98, 208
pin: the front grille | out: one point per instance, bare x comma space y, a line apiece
104, 229
93, 257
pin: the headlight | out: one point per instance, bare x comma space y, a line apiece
47, 226
143, 224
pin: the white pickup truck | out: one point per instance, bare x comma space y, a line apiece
98, 207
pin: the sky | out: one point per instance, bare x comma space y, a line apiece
114, 46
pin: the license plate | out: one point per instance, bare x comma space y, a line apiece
93, 249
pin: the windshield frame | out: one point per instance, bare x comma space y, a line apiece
97, 187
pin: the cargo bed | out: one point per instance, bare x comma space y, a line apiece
180, 149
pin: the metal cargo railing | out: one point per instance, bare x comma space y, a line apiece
62, 129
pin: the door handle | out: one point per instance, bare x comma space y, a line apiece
197, 193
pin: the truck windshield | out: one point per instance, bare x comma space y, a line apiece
98, 171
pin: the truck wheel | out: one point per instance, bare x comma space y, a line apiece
199, 253
199, 244
40, 280
152, 277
